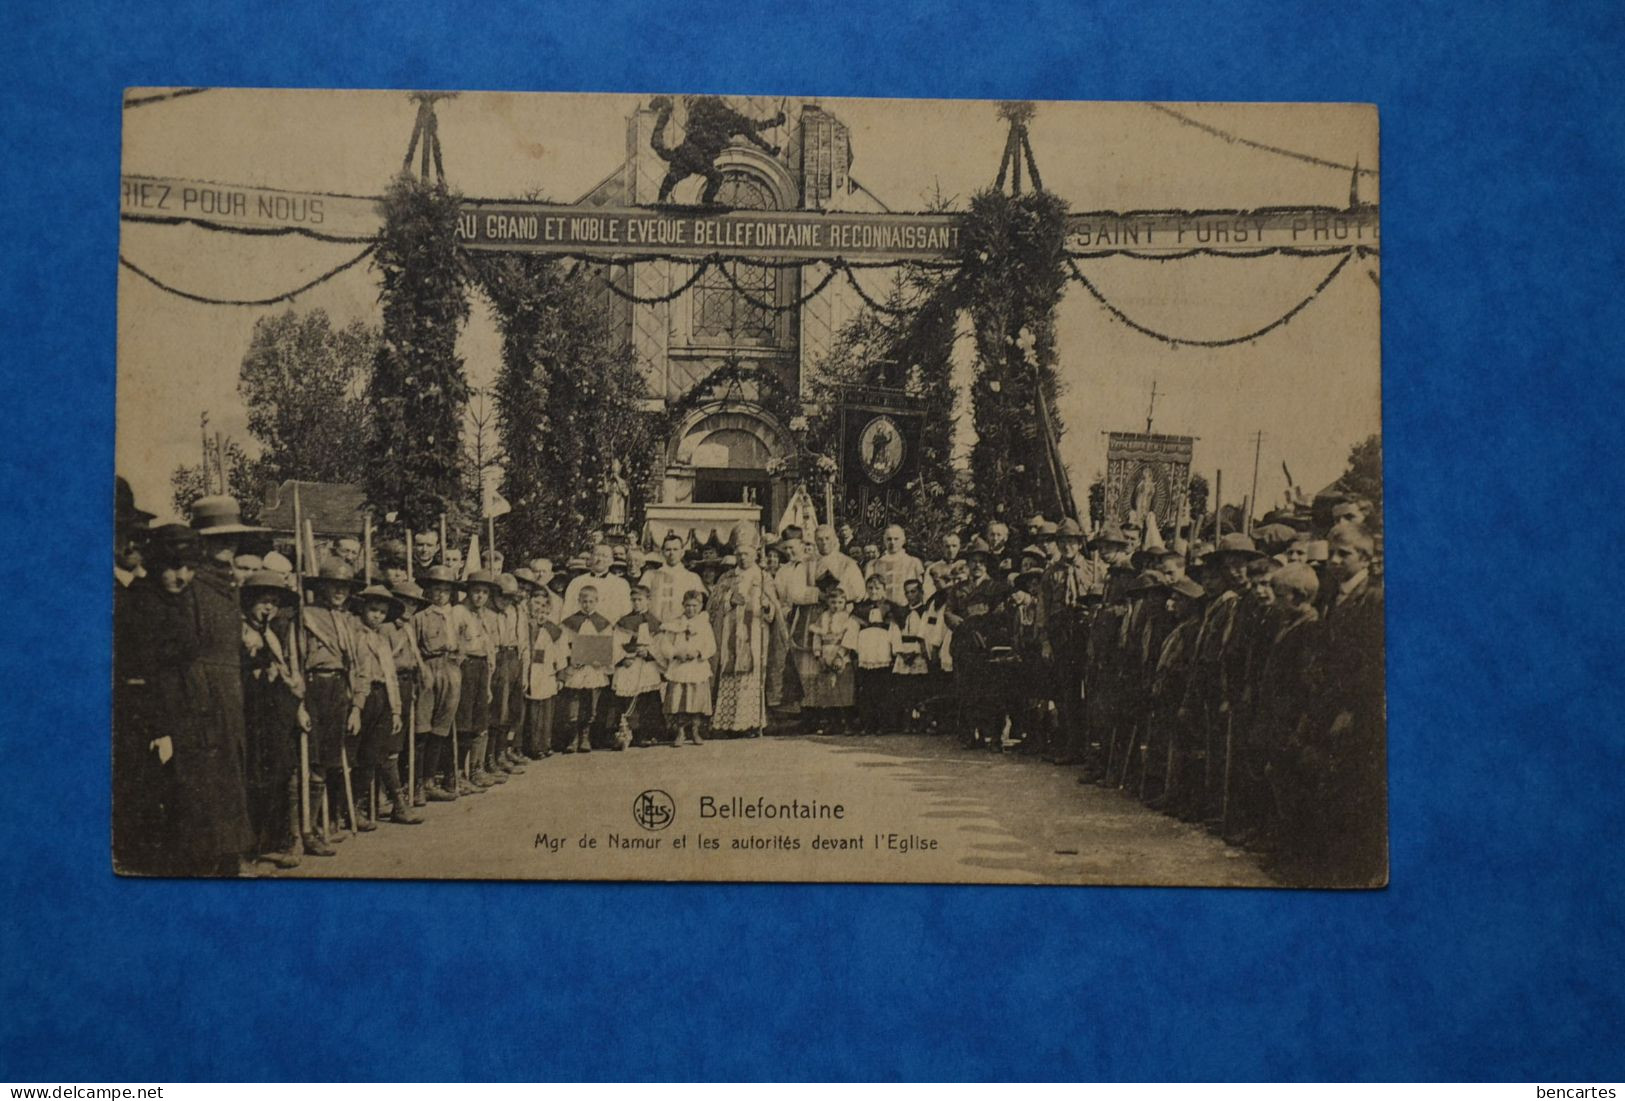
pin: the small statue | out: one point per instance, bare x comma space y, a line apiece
616, 494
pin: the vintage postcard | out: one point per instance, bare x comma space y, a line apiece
756, 487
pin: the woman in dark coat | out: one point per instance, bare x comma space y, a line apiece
191, 630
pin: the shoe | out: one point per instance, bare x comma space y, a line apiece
315, 846
466, 788
480, 779
418, 797
285, 859
366, 825
245, 869
337, 835
403, 816
434, 793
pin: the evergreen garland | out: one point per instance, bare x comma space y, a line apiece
1012, 274
568, 404
418, 392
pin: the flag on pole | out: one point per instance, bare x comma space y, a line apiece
472, 561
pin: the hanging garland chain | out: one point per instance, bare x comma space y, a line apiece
286, 296
1174, 341
251, 231
772, 307
869, 301
658, 299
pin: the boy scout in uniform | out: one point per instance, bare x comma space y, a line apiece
334, 691
435, 630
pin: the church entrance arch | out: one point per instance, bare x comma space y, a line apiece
729, 453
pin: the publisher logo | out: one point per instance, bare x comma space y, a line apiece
654, 810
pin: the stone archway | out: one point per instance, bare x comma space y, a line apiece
725, 453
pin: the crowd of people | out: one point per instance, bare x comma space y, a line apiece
263, 714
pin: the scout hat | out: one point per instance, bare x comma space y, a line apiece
1069, 529
1033, 550
441, 575
408, 593
526, 577
1146, 581
1186, 587
482, 577
1234, 542
125, 514
508, 584
219, 515
334, 571
977, 548
267, 581
1111, 534
378, 592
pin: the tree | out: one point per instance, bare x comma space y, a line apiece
1197, 496
244, 481
569, 402
417, 393
1097, 501
1363, 478
1011, 257
302, 382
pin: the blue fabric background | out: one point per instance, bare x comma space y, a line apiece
1497, 951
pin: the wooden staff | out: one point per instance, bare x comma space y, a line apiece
1218, 505
298, 627
349, 793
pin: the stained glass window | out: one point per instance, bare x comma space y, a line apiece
720, 312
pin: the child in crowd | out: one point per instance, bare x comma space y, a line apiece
635, 687
380, 740
911, 669
549, 654
435, 628
833, 636
879, 639
587, 674
688, 645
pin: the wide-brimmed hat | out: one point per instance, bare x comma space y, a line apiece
173, 545
1112, 533
1186, 587
525, 576
1235, 543
219, 515
334, 571
409, 591
440, 575
1033, 550
482, 577
1147, 581
1069, 529
578, 564
378, 592
977, 548
125, 514
508, 584
268, 581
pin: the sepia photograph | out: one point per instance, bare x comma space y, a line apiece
751, 487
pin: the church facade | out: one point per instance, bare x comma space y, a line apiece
731, 459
